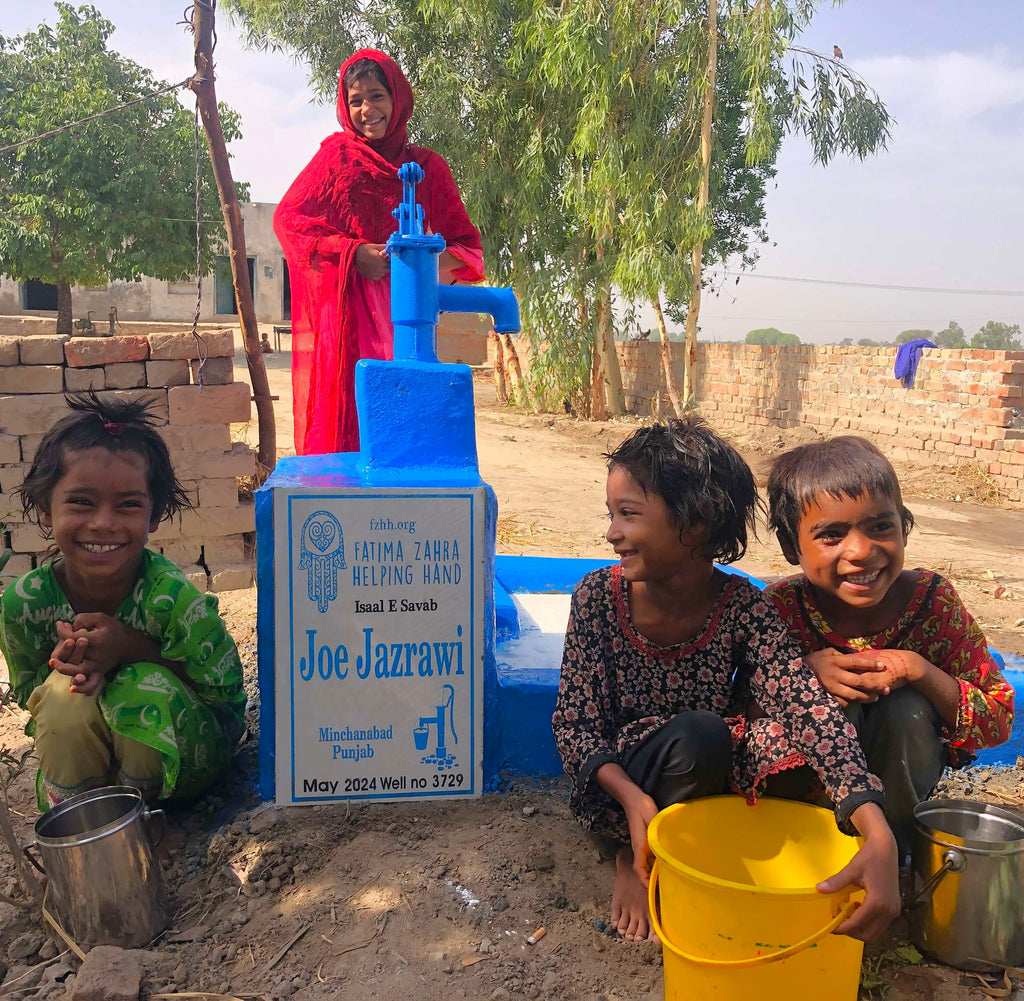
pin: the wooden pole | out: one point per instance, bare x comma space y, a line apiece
203, 86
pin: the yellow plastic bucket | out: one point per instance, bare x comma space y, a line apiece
733, 901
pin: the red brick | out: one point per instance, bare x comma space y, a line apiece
83, 352
42, 349
210, 404
32, 379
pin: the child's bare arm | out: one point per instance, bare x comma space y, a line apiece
640, 811
109, 644
904, 667
850, 677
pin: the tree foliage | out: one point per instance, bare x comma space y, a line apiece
770, 335
113, 199
998, 336
915, 335
951, 336
574, 130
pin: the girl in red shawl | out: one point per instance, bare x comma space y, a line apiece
333, 223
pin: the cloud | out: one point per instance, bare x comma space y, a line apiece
949, 88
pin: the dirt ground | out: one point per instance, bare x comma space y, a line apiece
385, 901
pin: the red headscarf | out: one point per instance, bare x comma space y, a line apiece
393, 143
343, 198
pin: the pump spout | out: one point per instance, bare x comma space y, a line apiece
500, 303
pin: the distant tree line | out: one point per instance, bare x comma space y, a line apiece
994, 335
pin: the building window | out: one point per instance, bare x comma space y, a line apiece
38, 295
286, 305
225, 288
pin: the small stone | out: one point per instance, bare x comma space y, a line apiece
274, 884
261, 822
108, 974
543, 862
500, 904
298, 983
25, 945
597, 944
485, 946
529, 811
180, 974
48, 949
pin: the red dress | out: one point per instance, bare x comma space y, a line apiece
343, 198
936, 625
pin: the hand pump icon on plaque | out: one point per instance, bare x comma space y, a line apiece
322, 555
421, 734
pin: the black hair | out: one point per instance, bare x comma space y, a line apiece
119, 426
701, 478
360, 69
846, 466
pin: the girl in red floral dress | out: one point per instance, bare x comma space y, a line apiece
664, 655
896, 647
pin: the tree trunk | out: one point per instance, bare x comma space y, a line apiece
64, 313
697, 253
666, 358
203, 85
605, 376
500, 383
513, 371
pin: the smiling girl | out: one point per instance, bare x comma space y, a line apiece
665, 653
127, 670
333, 223
896, 647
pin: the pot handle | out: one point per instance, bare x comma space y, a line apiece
953, 860
27, 849
149, 815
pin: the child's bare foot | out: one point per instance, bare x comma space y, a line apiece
630, 916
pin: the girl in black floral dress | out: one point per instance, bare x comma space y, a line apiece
679, 680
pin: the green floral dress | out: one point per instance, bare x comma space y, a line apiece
195, 730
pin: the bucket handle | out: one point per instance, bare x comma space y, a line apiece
790, 950
953, 860
27, 850
149, 816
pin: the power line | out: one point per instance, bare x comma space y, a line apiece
99, 114
891, 288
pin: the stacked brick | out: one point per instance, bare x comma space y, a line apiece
966, 406
209, 543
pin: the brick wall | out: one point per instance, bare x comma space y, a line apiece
966, 406
35, 370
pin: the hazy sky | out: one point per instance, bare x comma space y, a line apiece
942, 208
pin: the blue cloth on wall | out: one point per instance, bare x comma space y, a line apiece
907, 359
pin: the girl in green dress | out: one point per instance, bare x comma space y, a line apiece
127, 669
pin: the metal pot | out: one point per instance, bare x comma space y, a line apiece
969, 866
104, 880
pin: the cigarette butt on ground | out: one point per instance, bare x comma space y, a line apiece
536, 936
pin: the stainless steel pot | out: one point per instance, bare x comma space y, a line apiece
104, 880
968, 910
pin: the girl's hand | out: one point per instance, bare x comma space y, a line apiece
71, 645
640, 811
851, 677
875, 868
372, 262
902, 667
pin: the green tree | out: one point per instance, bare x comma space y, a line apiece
915, 335
867, 342
998, 336
770, 335
107, 200
952, 336
575, 131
